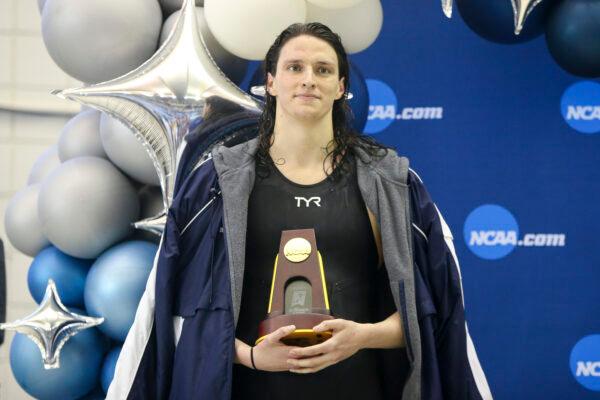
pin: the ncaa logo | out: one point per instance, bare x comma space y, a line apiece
491, 231
585, 362
580, 106
382, 107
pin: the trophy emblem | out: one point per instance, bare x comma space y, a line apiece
298, 290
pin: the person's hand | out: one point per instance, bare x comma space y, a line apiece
271, 354
347, 338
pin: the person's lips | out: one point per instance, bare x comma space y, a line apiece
307, 96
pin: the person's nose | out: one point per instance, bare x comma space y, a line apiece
308, 79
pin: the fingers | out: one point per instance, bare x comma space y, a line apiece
330, 325
310, 365
310, 351
280, 333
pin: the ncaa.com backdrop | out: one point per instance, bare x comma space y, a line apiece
508, 145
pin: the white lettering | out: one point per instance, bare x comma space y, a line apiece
586, 113
493, 238
382, 112
588, 368
544, 239
315, 199
422, 113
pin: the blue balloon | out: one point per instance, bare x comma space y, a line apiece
80, 363
573, 36
115, 285
69, 274
358, 86
494, 20
108, 368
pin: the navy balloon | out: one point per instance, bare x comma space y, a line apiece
115, 285
359, 103
108, 368
494, 20
69, 274
573, 36
80, 362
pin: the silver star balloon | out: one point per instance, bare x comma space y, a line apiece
521, 10
51, 326
176, 91
154, 224
447, 8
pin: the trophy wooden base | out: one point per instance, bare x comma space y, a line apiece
303, 336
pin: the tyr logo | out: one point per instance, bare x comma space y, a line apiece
316, 200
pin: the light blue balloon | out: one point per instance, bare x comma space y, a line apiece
80, 362
115, 285
69, 274
108, 368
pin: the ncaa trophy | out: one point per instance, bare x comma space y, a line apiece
298, 291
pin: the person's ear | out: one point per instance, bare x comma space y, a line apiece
269, 87
341, 89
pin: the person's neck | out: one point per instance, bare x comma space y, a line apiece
301, 145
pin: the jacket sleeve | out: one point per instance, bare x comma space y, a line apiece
451, 369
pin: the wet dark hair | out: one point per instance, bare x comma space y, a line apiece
345, 138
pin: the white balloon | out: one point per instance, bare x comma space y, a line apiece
86, 205
126, 151
232, 66
41, 4
97, 40
22, 224
358, 26
44, 164
335, 3
248, 28
81, 137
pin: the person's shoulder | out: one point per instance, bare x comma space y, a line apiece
383, 159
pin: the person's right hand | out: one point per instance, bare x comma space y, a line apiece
271, 354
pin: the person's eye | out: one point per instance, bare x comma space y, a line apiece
324, 70
294, 67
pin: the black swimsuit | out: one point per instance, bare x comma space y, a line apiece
337, 212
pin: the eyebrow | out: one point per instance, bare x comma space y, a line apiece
301, 61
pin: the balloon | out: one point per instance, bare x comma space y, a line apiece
126, 151
234, 67
68, 273
108, 368
359, 103
115, 285
334, 4
170, 6
494, 20
97, 40
23, 227
573, 36
81, 137
168, 96
86, 205
51, 325
248, 28
447, 8
521, 10
44, 164
149, 228
150, 201
358, 26
81, 360
41, 4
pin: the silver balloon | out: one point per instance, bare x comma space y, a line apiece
41, 4
97, 40
44, 165
51, 325
522, 9
22, 224
447, 8
125, 151
178, 89
170, 6
81, 137
232, 66
86, 205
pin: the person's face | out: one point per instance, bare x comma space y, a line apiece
306, 82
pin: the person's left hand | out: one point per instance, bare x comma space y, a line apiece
347, 338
